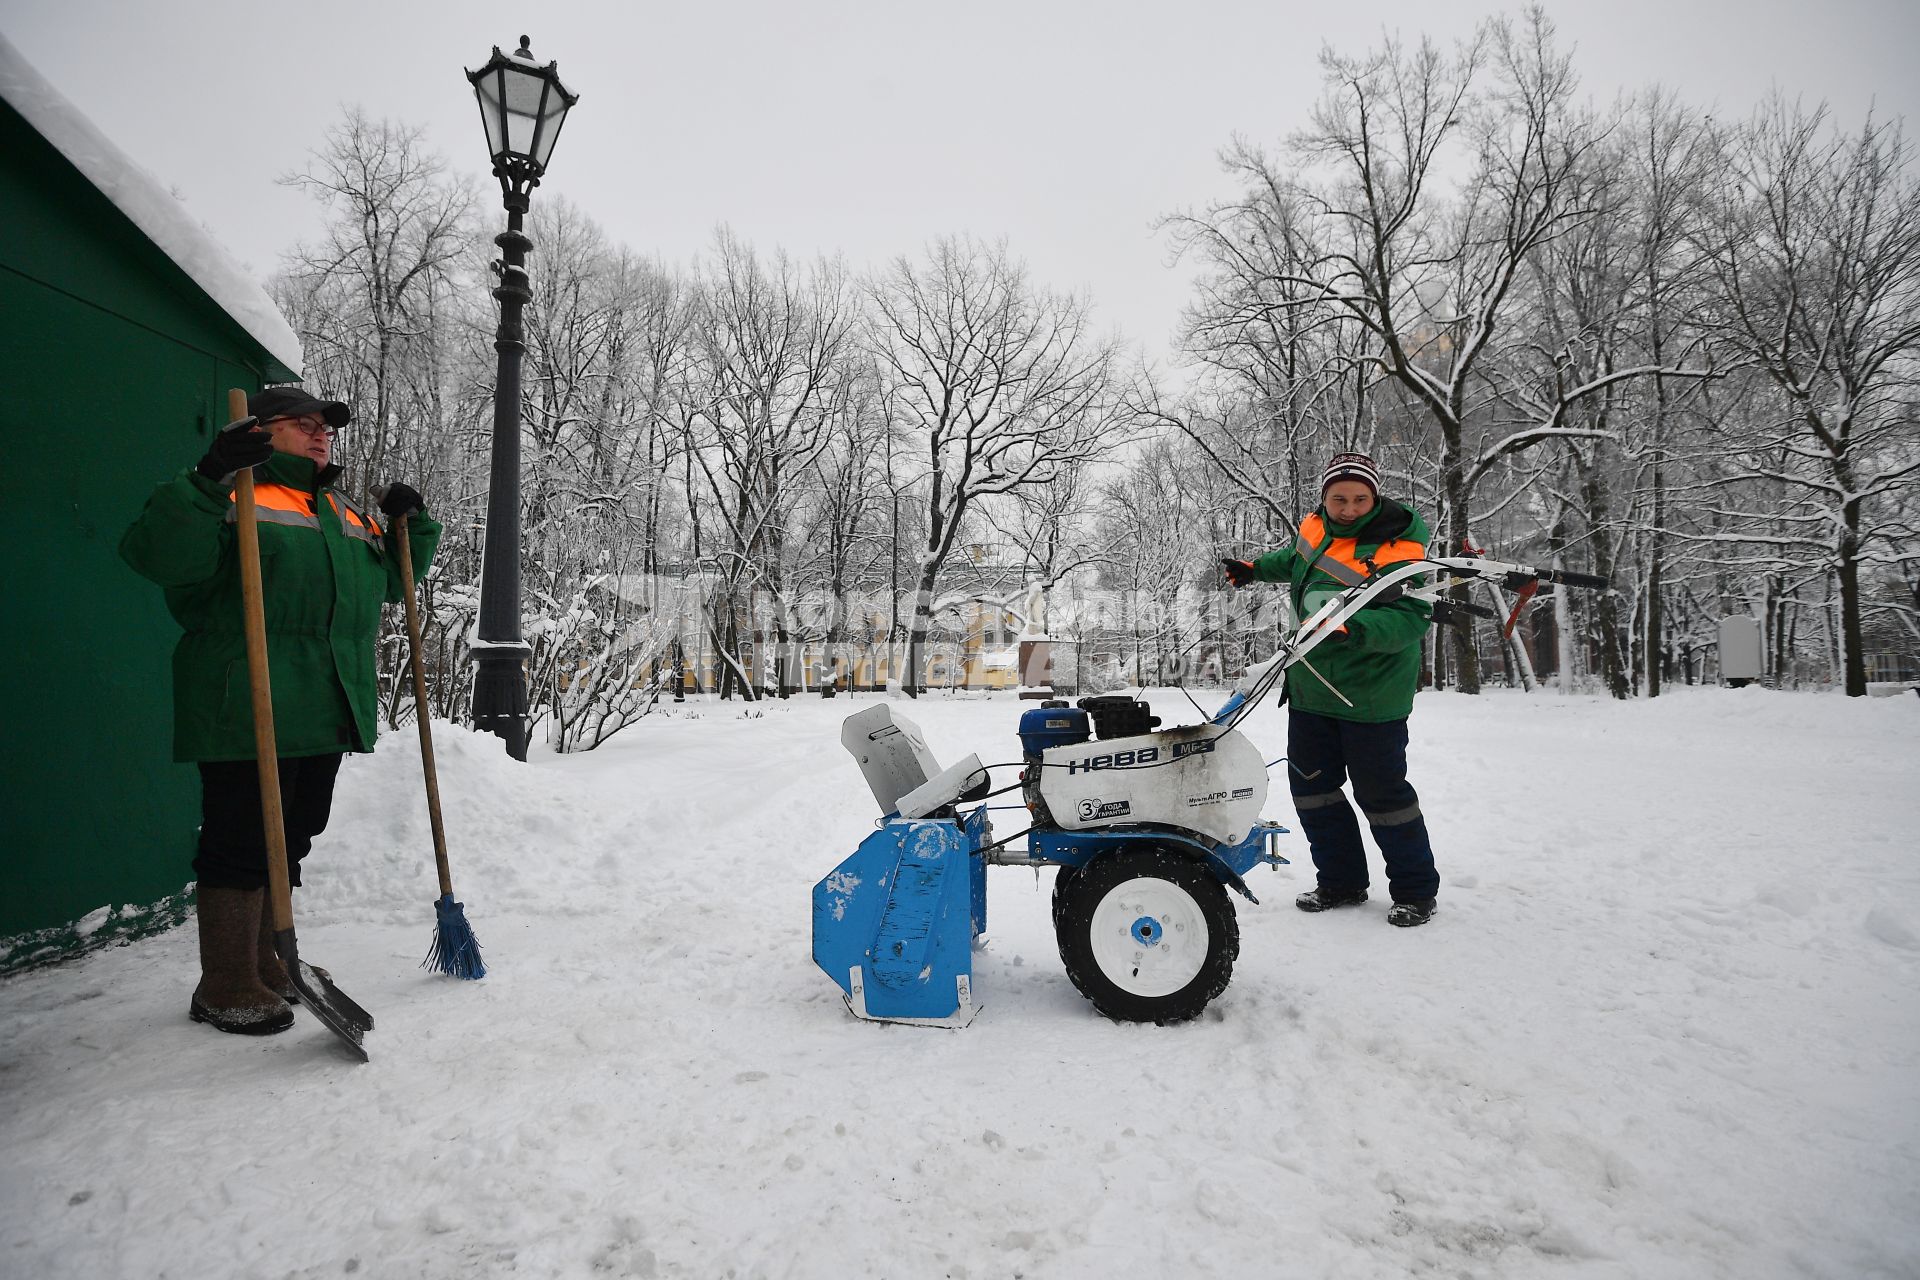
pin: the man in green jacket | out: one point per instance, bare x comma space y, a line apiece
327, 565
1351, 697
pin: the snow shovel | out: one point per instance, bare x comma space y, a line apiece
342, 1016
455, 950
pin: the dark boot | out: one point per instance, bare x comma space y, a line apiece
1410, 914
231, 996
1328, 899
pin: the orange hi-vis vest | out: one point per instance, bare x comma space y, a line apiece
1340, 558
1371, 674
284, 504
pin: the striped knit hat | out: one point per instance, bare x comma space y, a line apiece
1352, 466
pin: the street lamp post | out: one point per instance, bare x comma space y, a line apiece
523, 104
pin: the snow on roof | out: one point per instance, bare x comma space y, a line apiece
143, 198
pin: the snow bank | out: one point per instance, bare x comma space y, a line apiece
1663, 1026
146, 200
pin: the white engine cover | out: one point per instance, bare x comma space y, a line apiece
1202, 777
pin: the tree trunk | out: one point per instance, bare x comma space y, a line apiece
1562, 605
1852, 649
834, 644
1789, 641
1596, 497
913, 679
1656, 641
1459, 536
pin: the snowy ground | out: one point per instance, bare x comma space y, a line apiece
1665, 1024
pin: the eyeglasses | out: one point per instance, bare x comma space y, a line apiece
310, 428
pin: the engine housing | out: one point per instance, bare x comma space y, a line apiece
1201, 778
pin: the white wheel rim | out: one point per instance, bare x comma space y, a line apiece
1149, 937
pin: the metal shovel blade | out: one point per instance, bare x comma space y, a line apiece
327, 1002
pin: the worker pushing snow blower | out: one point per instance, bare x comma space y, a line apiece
1347, 726
1150, 827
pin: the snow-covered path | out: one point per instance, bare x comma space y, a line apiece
1667, 1023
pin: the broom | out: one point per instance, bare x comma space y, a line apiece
455, 951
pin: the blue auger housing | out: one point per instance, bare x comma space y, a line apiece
1052, 724
894, 924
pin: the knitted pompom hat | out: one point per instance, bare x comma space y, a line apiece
1352, 466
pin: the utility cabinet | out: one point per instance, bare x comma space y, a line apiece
1739, 650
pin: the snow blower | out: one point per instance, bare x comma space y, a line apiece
1149, 828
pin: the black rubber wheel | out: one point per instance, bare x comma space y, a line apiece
1061, 880
1147, 935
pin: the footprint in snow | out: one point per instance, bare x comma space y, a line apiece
1892, 930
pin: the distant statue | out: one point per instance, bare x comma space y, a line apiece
1035, 608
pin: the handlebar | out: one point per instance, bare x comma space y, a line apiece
1514, 577
1450, 613
1396, 581
1566, 577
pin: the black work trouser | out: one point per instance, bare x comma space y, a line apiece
233, 841
1322, 753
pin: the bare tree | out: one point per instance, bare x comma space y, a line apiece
377, 290
1816, 248
771, 343
1575, 377
1283, 372
603, 330
843, 529
995, 384
1048, 524
1669, 156
1431, 279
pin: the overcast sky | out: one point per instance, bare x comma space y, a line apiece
864, 129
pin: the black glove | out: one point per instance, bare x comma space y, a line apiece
397, 499
238, 446
1239, 572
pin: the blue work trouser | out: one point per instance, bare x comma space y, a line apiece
1322, 753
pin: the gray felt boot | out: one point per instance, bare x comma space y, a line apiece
231, 996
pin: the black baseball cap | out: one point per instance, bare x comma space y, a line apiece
292, 402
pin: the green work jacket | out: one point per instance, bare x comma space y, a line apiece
326, 567
1375, 667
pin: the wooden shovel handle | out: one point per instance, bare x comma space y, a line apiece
264, 746
404, 547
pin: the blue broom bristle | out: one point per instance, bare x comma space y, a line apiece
455, 950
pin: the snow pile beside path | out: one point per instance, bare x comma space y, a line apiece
534, 837
1665, 1024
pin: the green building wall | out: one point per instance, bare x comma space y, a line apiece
114, 367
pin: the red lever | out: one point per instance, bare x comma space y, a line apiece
1520, 599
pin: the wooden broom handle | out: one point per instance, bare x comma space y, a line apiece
404, 546
264, 747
